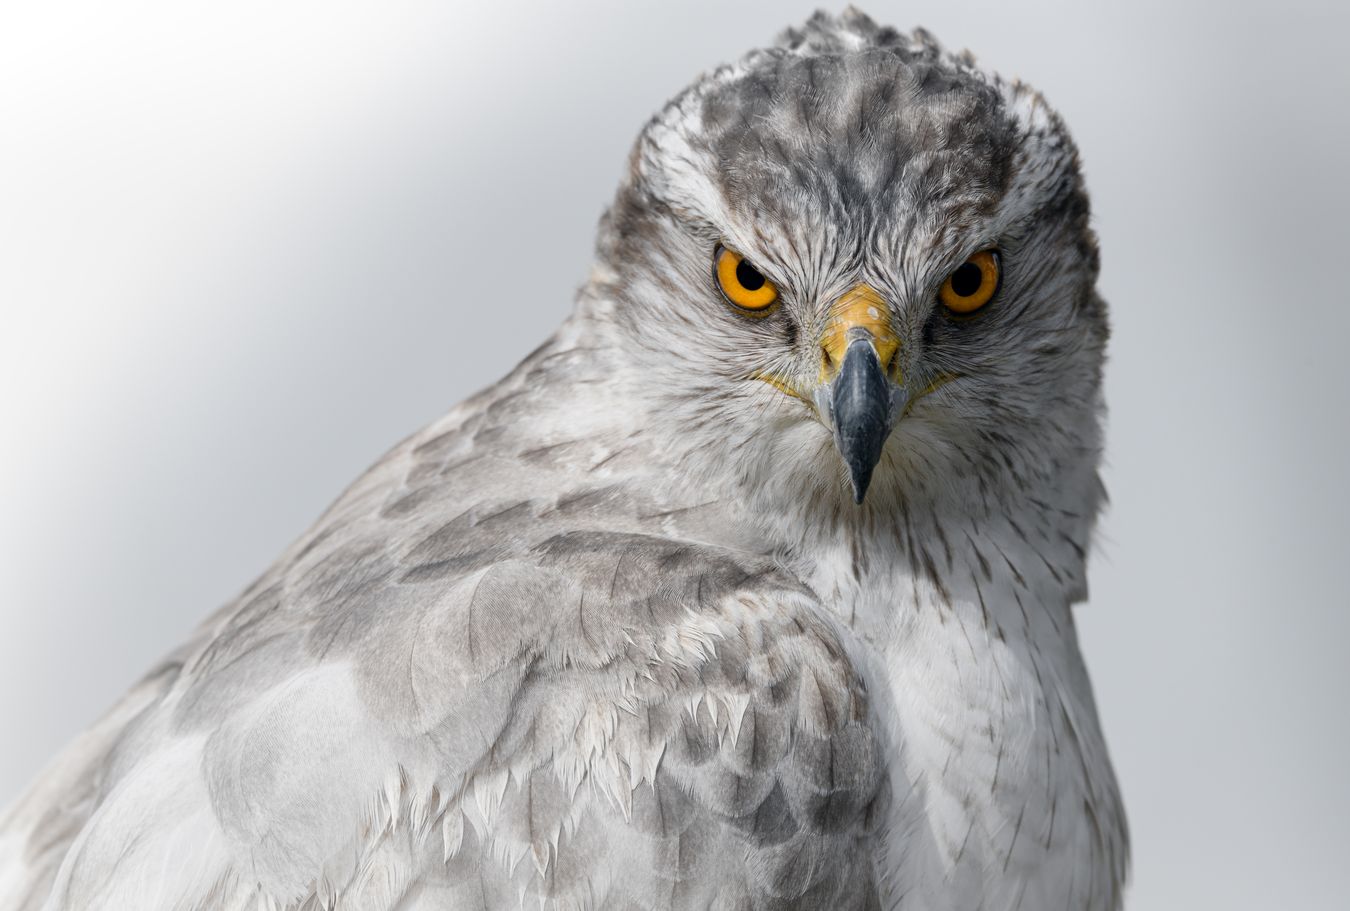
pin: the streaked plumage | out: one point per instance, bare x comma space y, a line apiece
613, 633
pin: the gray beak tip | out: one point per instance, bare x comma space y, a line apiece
860, 487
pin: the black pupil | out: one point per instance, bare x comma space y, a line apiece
967, 280
749, 276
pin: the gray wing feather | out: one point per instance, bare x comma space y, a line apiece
482, 678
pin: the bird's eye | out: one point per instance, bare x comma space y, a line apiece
743, 284
972, 284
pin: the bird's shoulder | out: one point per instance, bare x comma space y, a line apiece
474, 678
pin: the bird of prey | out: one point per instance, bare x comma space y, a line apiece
751, 588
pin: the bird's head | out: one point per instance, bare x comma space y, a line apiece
854, 268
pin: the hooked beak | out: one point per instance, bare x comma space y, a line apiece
856, 391
861, 405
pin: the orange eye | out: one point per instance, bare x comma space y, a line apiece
743, 284
972, 284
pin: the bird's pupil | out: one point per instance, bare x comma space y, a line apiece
749, 276
967, 279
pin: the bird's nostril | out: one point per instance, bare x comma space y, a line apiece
828, 365
832, 353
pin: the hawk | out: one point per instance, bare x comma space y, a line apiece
751, 588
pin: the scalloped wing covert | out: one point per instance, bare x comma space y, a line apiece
457, 707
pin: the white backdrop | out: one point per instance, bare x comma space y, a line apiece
244, 248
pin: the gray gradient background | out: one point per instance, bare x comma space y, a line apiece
244, 249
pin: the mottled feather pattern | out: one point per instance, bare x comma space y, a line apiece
557, 697
613, 634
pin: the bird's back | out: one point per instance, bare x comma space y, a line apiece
499, 667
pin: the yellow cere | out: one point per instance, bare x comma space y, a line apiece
743, 284
972, 284
863, 308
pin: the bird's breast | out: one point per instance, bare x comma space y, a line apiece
1001, 786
